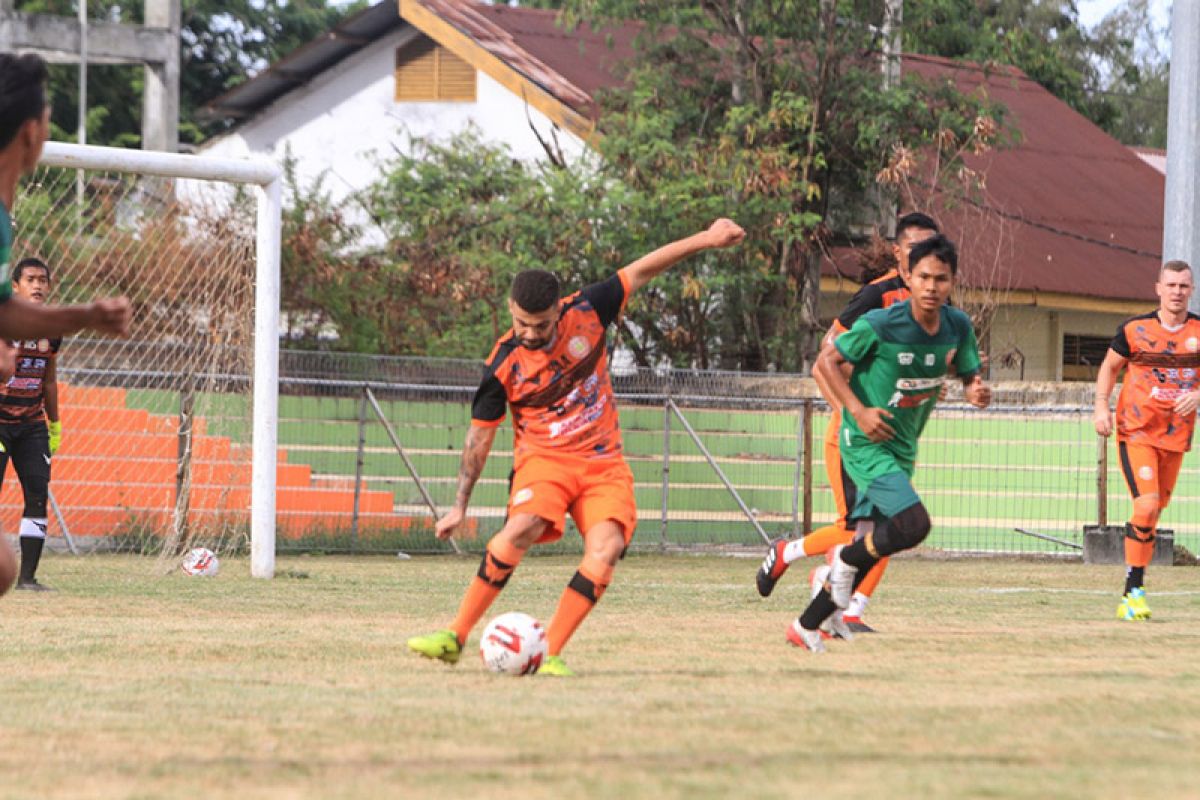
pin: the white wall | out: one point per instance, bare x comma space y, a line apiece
346, 119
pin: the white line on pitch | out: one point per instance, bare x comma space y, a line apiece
1033, 589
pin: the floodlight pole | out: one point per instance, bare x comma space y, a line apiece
1181, 217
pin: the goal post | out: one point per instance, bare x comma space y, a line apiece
265, 179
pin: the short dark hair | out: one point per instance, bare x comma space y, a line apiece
1175, 266
939, 247
535, 290
916, 219
22, 92
29, 263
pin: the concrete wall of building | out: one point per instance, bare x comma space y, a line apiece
1034, 332
346, 120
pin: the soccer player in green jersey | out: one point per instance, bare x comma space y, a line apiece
899, 358
24, 128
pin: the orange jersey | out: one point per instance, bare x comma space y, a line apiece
23, 398
886, 290
1163, 365
561, 397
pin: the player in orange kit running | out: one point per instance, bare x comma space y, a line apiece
882, 292
551, 370
1156, 415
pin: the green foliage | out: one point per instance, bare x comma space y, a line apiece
224, 41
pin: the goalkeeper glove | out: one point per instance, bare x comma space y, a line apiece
55, 429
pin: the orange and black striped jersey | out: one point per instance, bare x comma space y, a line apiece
1163, 365
886, 290
23, 398
561, 396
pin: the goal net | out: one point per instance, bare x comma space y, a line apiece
169, 435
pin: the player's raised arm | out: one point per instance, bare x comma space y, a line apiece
722, 233
1106, 379
871, 421
475, 454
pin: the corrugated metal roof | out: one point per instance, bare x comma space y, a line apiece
1068, 209
306, 62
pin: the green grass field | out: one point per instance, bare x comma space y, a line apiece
980, 474
1000, 679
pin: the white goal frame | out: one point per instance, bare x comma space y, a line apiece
267, 180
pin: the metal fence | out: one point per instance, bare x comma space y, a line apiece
370, 450
718, 458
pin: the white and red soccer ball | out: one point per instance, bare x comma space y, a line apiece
513, 644
200, 561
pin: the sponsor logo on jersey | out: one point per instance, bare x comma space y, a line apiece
1166, 395
902, 400
917, 384
578, 347
1146, 472
905, 359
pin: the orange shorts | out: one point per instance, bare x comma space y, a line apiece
1149, 470
591, 489
845, 494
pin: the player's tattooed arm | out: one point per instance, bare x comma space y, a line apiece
1106, 379
475, 454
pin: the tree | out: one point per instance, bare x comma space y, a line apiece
224, 42
1135, 74
773, 113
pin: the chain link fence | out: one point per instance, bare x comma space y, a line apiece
370, 449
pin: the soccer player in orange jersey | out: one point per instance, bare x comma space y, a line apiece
551, 370
1156, 415
882, 292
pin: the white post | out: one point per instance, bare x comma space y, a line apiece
266, 382
1181, 207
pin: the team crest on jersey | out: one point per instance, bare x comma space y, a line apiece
523, 496
578, 347
905, 359
1146, 472
930, 359
43, 345
1192, 344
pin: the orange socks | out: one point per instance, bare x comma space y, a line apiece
825, 539
581, 595
872, 578
497, 566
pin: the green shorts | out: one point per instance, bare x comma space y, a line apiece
883, 481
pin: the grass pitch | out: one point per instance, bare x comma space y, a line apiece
990, 679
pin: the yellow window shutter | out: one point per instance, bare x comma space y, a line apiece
426, 71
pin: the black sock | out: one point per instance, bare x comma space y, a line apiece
856, 554
1134, 578
818, 611
31, 554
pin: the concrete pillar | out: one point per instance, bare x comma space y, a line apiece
160, 101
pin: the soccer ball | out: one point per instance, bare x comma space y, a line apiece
200, 561
513, 644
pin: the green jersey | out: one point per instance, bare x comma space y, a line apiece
899, 367
6, 238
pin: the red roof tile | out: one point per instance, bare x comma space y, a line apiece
1068, 209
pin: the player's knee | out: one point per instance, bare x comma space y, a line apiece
1145, 510
523, 530
904, 531
37, 492
605, 542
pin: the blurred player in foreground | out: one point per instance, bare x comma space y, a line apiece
24, 128
1156, 415
882, 292
551, 369
899, 358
